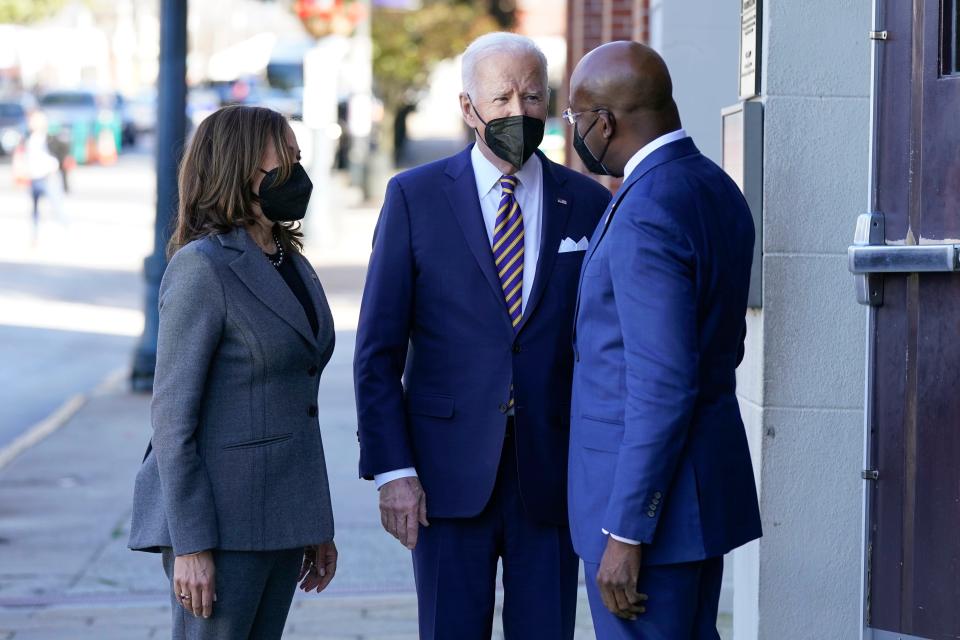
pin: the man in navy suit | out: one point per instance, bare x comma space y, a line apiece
463, 361
661, 482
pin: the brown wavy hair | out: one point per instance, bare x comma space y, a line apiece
217, 172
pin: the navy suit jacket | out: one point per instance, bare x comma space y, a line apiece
436, 351
658, 451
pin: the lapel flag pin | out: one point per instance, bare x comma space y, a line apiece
561, 201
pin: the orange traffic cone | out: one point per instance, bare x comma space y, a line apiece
106, 148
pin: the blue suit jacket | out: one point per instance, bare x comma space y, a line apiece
436, 351
658, 450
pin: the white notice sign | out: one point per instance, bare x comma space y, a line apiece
749, 49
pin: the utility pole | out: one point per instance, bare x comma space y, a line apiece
171, 134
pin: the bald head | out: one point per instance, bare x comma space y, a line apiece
629, 84
626, 77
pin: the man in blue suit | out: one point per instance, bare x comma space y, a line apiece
661, 483
463, 362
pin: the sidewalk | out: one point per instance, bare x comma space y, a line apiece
65, 571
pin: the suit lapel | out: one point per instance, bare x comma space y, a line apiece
465, 203
263, 281
557, 203
312, 283
592, 249
666, 153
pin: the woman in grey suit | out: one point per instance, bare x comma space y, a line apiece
233, 490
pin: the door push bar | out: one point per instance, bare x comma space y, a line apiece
869, 257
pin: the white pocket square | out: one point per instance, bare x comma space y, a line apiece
569, 245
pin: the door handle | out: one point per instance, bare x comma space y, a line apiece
903, 259
869, 257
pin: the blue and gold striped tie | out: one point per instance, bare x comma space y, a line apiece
508, 248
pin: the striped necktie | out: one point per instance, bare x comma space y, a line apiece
508, 248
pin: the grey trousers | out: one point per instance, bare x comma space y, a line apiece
254, 590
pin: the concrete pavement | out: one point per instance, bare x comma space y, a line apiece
65, 571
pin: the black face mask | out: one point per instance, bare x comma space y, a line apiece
513, 139
591, 162
288, 201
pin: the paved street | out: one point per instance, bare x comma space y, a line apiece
70, 315
70, 303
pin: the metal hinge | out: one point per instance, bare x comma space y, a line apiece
879, 35
870, 474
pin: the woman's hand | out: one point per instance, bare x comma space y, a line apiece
319, 566
194, 584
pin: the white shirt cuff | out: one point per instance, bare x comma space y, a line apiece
620, 539
381, 479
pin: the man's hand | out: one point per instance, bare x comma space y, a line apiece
319, 566
617, 578
403, 507
194, 582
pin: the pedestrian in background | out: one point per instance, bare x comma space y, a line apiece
41, 168
234, 490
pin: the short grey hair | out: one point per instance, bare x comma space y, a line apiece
492, 43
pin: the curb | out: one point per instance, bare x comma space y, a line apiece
49, 425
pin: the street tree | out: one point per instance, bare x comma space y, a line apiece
408, 43
27, 11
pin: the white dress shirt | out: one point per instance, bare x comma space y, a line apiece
529, 195
649, 148
632, 164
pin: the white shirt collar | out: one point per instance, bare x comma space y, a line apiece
488, 176
650, 147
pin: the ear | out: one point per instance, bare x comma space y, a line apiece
608, 124
466, 110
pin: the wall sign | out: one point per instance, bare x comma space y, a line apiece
750, 28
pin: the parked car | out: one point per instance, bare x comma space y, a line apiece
142, 111
13, 125
80, 118
289, 103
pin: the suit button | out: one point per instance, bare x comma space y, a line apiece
503, 408
312, 411
651, 514
657, 495
313, 370
516, 348
656, 501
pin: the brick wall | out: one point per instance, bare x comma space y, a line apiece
591, 23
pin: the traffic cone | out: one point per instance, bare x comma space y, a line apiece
106, 148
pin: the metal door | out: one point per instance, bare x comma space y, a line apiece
906, 253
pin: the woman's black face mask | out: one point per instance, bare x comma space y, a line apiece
286, 202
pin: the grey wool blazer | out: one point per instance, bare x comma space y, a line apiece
236, 461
